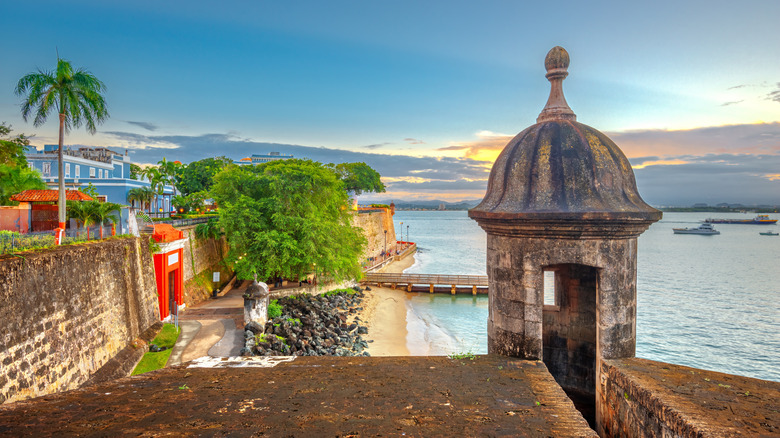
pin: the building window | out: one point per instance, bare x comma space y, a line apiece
100, 173
108, 174
46, 167
78, 171
91, 172
67, 170
102, 198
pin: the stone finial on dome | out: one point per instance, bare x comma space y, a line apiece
556, 63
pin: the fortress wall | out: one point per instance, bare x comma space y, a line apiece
65, 311
201, 259
374, 224
644, 398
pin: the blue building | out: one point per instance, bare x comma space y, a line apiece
260, 158
106, 170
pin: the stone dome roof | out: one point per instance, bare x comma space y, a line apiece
559, 174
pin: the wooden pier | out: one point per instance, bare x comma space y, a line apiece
431, 283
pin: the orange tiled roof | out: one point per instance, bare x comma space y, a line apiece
49, 196
166, 233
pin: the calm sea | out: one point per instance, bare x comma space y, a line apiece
709, 302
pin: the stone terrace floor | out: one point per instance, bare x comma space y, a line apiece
314, 396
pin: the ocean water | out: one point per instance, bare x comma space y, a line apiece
709, 302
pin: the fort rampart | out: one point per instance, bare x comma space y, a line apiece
374, 223
66, 311
203, 257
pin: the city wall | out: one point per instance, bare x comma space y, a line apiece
644, 398
66, 311
374, 224
201, 259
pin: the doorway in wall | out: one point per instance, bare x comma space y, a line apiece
569, 332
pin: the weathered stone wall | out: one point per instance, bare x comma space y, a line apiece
644, 398
66, 311
515, 275
201, 259
374, 224
313, 289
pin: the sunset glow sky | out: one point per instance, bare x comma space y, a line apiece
426, 92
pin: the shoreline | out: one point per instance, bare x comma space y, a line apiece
384, 312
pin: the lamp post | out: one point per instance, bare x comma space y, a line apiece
407, 234
402, 231
385, 242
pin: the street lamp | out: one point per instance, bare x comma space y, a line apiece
385, 242
402, 231
407, 234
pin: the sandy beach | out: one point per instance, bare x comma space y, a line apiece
384, 312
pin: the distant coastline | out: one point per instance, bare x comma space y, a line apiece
707, 209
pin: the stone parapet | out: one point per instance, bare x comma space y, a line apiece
68, 310
644, 398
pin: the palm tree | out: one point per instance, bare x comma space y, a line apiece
103, 212
170, 169
143, 195
82, 212
157, 180
139, 194
77, 97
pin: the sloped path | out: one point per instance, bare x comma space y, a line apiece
211, 328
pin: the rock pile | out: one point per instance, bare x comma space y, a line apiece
311, 325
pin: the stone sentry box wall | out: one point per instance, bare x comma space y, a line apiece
562, 197
65, 311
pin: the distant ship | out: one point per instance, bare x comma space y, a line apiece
705, 229
761, 219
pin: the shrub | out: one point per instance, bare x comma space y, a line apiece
274, 309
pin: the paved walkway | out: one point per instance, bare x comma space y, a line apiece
211, 328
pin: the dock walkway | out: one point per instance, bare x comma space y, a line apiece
431, 282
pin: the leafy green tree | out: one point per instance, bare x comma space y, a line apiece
90, 190
198, 175
16, 179
77, 97
359, 177
12, 149
287, 218
190, 202
15, 176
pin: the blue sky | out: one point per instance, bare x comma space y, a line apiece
428, 92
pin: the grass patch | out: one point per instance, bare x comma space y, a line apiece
340, 291
469, 356
154, 361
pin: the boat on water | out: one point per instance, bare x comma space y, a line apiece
769, 233
705, 229
761, 219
